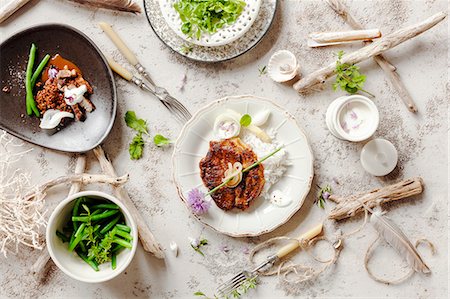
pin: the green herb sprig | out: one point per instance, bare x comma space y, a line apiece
248, 284
323, 195
262, 70
136, 146
201, 243
348, 77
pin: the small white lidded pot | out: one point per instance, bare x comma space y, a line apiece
353, 118
69, 262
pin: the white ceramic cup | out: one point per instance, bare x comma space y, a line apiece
336, 109
69, 262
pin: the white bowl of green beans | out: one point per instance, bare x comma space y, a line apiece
91, 236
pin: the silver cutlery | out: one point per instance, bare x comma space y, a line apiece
228, 288
171, 103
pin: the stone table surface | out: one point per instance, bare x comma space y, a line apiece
421, 140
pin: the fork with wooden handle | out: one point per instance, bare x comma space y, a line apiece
234, 283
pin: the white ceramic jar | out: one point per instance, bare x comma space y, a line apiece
353, 118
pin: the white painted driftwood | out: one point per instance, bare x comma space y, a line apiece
348, 206
376, 48
389, 69
146, 237
38, 268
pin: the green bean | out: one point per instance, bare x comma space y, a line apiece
90, 263
123, 234
30, 104
110, 225
80, 218
62, 236
75, 209
123, 227
113, 261
109, 206
122, 242
104, 215
80, 230
82, 246
117, 248
77, 240
99, 211
72, 237
39, 69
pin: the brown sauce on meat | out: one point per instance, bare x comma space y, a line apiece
59, 62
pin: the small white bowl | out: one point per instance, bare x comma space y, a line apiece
356, 103
69, 262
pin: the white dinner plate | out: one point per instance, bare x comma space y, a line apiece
225, 35
262, 216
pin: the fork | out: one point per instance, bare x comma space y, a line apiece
232, 285
171, 103
178, 110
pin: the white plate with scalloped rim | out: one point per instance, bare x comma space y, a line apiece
261, 217
225, 35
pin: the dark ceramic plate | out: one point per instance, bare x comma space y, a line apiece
76, 47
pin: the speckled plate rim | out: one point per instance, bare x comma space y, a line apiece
110, 73
184, 131
220, 60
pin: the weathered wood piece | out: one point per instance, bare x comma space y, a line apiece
381, 45
38, 267
388, 68
348, 206
146, 237
8, 7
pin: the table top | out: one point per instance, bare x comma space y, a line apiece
421, 141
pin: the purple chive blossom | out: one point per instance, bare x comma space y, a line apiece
246, 250
197, 202
353, 115
325, 195
52, 72
357, 126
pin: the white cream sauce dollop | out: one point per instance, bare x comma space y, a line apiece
280, 199
75, 95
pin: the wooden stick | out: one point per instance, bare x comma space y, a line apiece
349, 206
146, 237
38, 267
11, 7
388, 68
383, 44
83, 178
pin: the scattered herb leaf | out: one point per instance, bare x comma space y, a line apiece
262, 70
136, 147
348, 77
135, 123
246, 120
207, 16
323, 194
160, 140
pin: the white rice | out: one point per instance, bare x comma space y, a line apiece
275, 166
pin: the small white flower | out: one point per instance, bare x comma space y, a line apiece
174, 248
194, 242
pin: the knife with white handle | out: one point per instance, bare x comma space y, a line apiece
123, 48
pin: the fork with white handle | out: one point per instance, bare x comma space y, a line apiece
227, 288
172, 104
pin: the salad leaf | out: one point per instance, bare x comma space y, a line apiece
207, 16
135, 123
160, 140
136, 147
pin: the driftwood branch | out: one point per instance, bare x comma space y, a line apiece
38, 268
83, 178
376, 48
388, 68
146, 237
349, 206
